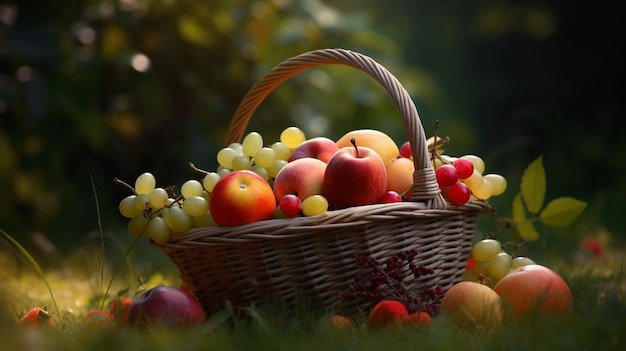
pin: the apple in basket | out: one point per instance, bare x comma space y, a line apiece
354, 176
321, 148
241, 197
165, 306
302, 177
374, 139
400, 175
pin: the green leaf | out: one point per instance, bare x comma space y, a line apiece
526, 230
562, 212
519, 212
533, 185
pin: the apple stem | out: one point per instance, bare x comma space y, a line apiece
353, 142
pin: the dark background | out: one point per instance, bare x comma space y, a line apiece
508, 80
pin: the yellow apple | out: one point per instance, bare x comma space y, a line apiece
374, 139
400, 175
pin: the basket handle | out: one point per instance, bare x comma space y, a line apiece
425, 187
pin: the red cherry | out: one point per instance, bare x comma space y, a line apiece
459, 194
464, 168
405, 150
390, 196
446, 175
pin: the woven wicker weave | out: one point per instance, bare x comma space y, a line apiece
285, 259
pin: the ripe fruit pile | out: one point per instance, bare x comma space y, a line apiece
295, 176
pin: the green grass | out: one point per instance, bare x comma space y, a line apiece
597, 323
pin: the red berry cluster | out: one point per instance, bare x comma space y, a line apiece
382, 280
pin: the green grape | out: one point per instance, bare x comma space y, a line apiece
177, 220
478, 162
521, 261
281, 150
314, 205
142, 201
225, 157
474, 181
275, 168
251, 144
191, 188
158, 198
468, 275
480, 270
486, 249
128, 208
265, 157
237, 147
500, 265
498, 183
241, 162
137, 225
209, 181
206, 220
292, 137
145, 183
195, 206
483, 191
206, 195
437, 163
222, 171
158, 230
261, 171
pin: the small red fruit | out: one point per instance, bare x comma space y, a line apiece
290, 205
119, 309
464, 167
339, 322
419, 318
390, 197
459, 194
405, 150
35, 317
387, 313
446, 176
99, 320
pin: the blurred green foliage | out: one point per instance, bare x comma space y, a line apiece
104, 89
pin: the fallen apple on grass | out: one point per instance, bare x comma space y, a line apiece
472, 305
354, 176
534, 289
165, 306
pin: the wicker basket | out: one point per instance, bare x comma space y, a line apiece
313, 257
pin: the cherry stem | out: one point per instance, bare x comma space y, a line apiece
353, 142
123, 183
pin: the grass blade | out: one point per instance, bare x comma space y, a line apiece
26, 257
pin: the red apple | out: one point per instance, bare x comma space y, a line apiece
241, 197
321, 148
355, 175
472, 305
166, 306
302, 177
534, 288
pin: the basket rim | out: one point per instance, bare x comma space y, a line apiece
298, 227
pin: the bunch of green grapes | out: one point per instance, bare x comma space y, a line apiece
490, 263
157, 213
252, 154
